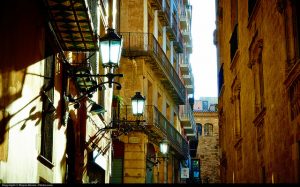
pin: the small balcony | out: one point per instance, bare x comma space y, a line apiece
189, 11
164, 13
189, 83
183, 19
172, 29
156, 126
189, 47
185, 68
156, 4
178, 43
187, 37
188, 79
145, 45
188, 121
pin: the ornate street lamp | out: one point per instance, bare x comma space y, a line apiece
111, 48
138, 103
110, 51
164, 147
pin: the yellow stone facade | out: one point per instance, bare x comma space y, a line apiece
150, 65
77, 143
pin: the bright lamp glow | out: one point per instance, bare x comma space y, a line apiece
104, 47
164, 147
138, 103
111, 48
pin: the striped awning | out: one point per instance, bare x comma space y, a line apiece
72, 24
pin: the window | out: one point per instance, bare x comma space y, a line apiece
47, 116
208, 130
236, 89
239, 156
199, 126
256, 65
204, 105
260, 133
294, 89
234, 42
251, 5
220, 79
259, 85
193, 144
234, 23
213, 107
296, 15
47, 99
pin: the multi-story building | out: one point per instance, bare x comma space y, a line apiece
207, 121
155, 62
48, 128
258, 63
59, 123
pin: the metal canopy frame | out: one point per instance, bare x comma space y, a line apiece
72, 24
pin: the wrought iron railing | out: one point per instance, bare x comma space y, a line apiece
175, 138
188, 115
164, 13
180, 37
152, 117
145, 44
156, 4
174, 24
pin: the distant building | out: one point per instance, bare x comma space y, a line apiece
206, 117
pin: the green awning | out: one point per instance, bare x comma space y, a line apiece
71, 21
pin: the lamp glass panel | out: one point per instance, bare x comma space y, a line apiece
104, 47
163, 147
140, 106
134, 107
115, 52
137, 107
120, 51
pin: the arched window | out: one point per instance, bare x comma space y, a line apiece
208, 129
199, 129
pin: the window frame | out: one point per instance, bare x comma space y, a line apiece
208, 129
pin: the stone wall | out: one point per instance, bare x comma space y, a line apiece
208, 147
259, 139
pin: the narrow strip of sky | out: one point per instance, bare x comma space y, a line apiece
203, 59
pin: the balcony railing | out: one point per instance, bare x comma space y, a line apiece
145, 44
178, 43
185, 68
157, 127
187, 118
156, 4
183, 19
173, 28
164, 13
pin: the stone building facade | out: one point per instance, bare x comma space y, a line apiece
258, 62
155, 62
44, 136
58, 118
206, 117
